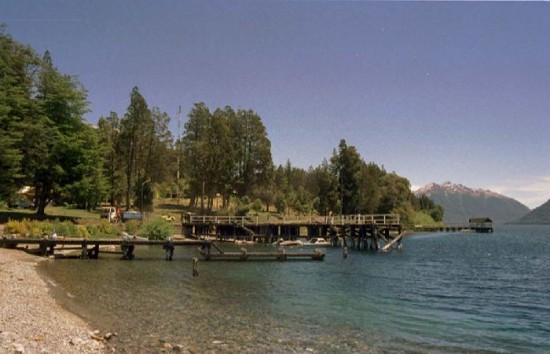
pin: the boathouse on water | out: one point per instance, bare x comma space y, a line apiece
484, 224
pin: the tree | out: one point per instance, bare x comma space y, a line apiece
327, 193
195, 150
221, 167
108, 133
370, 191
160, 162
61, 102
253, 152
347, 164
134, 128
226, 152
17, 66
83, 182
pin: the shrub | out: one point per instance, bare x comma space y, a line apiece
92, 230
43, 228
106, 228
82, 231
257, 205
66, 229
157, 230
16, 227
132, 226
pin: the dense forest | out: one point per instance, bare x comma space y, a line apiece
222, 154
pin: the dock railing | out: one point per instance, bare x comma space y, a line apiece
358, 219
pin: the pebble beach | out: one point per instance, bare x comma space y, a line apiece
31, 321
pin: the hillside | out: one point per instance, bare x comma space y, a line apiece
539, 215
461, 203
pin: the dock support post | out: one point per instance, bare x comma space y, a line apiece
84, 252
127, 251
281, 255
195, 267
43, 248
94, 252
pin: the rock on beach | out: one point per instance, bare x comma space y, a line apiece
31, 321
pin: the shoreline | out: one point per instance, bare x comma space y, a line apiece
31, 320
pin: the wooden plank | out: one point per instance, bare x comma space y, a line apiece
386, 248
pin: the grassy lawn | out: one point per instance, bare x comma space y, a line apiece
52, 213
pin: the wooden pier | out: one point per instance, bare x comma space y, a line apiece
90, 248
381, 232
243, 255
480, 225
363, 232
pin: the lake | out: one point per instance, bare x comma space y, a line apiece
443, 292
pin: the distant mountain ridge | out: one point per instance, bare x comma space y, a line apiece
461, 203
539, 215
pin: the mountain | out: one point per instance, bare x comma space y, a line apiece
461, 203
539, 215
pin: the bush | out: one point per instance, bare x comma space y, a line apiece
157, 230
16, 227
106, 228
132, 226
257, 205
66, 229
92, 230
82, 231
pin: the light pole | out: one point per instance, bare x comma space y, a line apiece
141, 204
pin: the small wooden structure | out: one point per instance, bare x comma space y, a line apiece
483, 224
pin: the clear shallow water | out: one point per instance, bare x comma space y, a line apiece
444, 292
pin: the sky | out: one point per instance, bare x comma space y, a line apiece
434, 91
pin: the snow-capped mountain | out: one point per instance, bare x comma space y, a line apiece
461, 203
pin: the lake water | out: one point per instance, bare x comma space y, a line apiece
444, 292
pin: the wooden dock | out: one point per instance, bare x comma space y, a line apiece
244, 255
363, 232
90, 248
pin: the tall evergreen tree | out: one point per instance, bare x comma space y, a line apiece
195, 150
327, 200
61, 101
108, 132
17, 65
132, 145
253, 152
348, 164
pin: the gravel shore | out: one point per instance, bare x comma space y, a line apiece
30, 319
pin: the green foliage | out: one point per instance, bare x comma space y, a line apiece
257, 205
82, 232
132, 226
103, 229
17, 64
17, 227
281, 203
34, 229
66, 228
157, 229
226, 152
423, 218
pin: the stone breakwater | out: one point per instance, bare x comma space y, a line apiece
30, 319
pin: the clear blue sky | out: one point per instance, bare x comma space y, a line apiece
434, 91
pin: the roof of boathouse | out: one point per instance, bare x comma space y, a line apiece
480, 220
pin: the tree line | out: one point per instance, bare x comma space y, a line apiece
223, 154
